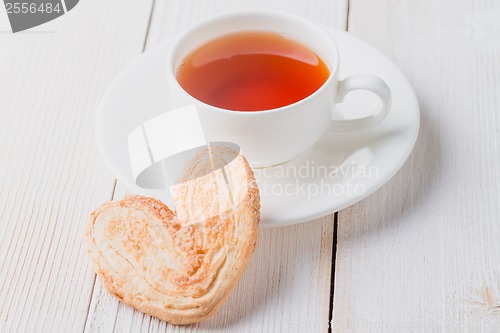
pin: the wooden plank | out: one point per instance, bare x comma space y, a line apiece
423, 253
51, 176
286, 287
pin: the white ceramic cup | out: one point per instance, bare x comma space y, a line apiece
271, 137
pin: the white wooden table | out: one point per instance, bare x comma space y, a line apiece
422, 254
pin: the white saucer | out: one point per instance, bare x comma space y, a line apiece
341, 168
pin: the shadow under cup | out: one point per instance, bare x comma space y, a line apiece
272, 136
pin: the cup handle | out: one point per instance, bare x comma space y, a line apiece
368, 82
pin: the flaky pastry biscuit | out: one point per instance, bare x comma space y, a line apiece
178, 267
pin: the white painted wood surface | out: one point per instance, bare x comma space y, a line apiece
51, 176
423, 253
420, 255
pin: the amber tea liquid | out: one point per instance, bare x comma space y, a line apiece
252, 71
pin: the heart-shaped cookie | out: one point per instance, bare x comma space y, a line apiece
180, 266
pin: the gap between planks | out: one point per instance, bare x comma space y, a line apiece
332, 275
